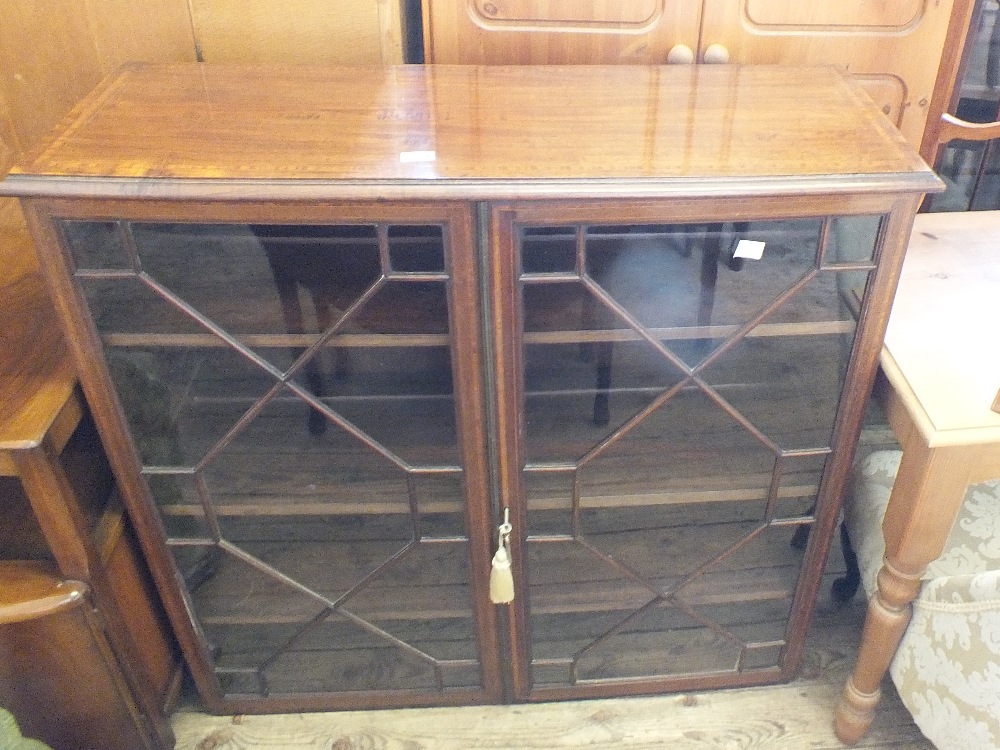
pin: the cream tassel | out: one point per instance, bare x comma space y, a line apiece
501, 577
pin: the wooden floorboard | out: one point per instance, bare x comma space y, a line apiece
794, 716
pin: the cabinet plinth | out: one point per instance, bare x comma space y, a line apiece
333, 323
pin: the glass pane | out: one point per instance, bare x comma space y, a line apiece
402, 398
341, 653
416, 249
290, 393
826, 303
325, 555
852, 238
803, 373
798, 486
239, 592
424, 301
126, 309
97, 245
424, 599
679, 401
689, 286
663, 640
687, 449
575, 597
986, 195
181, 401
552, 308
550, 502
665, 544
458, 674
960, 166
181, 505
576, 395
762, 656
548, 249
659, 276
223, 272
440, 505
762, 567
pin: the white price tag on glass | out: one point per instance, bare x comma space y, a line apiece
752, 249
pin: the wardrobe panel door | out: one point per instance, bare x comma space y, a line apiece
851, 14
893, 48
558, 31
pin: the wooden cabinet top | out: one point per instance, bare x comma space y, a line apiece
202, 131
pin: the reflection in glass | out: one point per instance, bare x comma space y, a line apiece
289, 391
97, 245
970, 168
852, 238
680, 393
549, 495
416, 249
548, 249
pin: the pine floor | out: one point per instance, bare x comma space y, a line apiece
794, 716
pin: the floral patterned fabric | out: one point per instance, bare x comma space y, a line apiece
947, 668
10, 735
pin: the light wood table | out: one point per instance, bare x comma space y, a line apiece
940, 375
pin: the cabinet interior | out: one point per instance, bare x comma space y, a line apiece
289, 389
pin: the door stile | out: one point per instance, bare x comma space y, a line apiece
471, 367
858, 384
509, 450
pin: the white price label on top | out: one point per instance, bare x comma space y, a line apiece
417, 157
752, 249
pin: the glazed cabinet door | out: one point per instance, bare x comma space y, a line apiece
560, 31
302, 388
669, 395
892, 48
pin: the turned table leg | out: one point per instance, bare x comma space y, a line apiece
888, 615
926, 497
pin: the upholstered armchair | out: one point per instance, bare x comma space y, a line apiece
947, 668
10, 735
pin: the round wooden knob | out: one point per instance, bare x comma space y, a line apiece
716, 54
680, 54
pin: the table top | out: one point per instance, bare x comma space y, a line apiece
467, 132
942, 346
